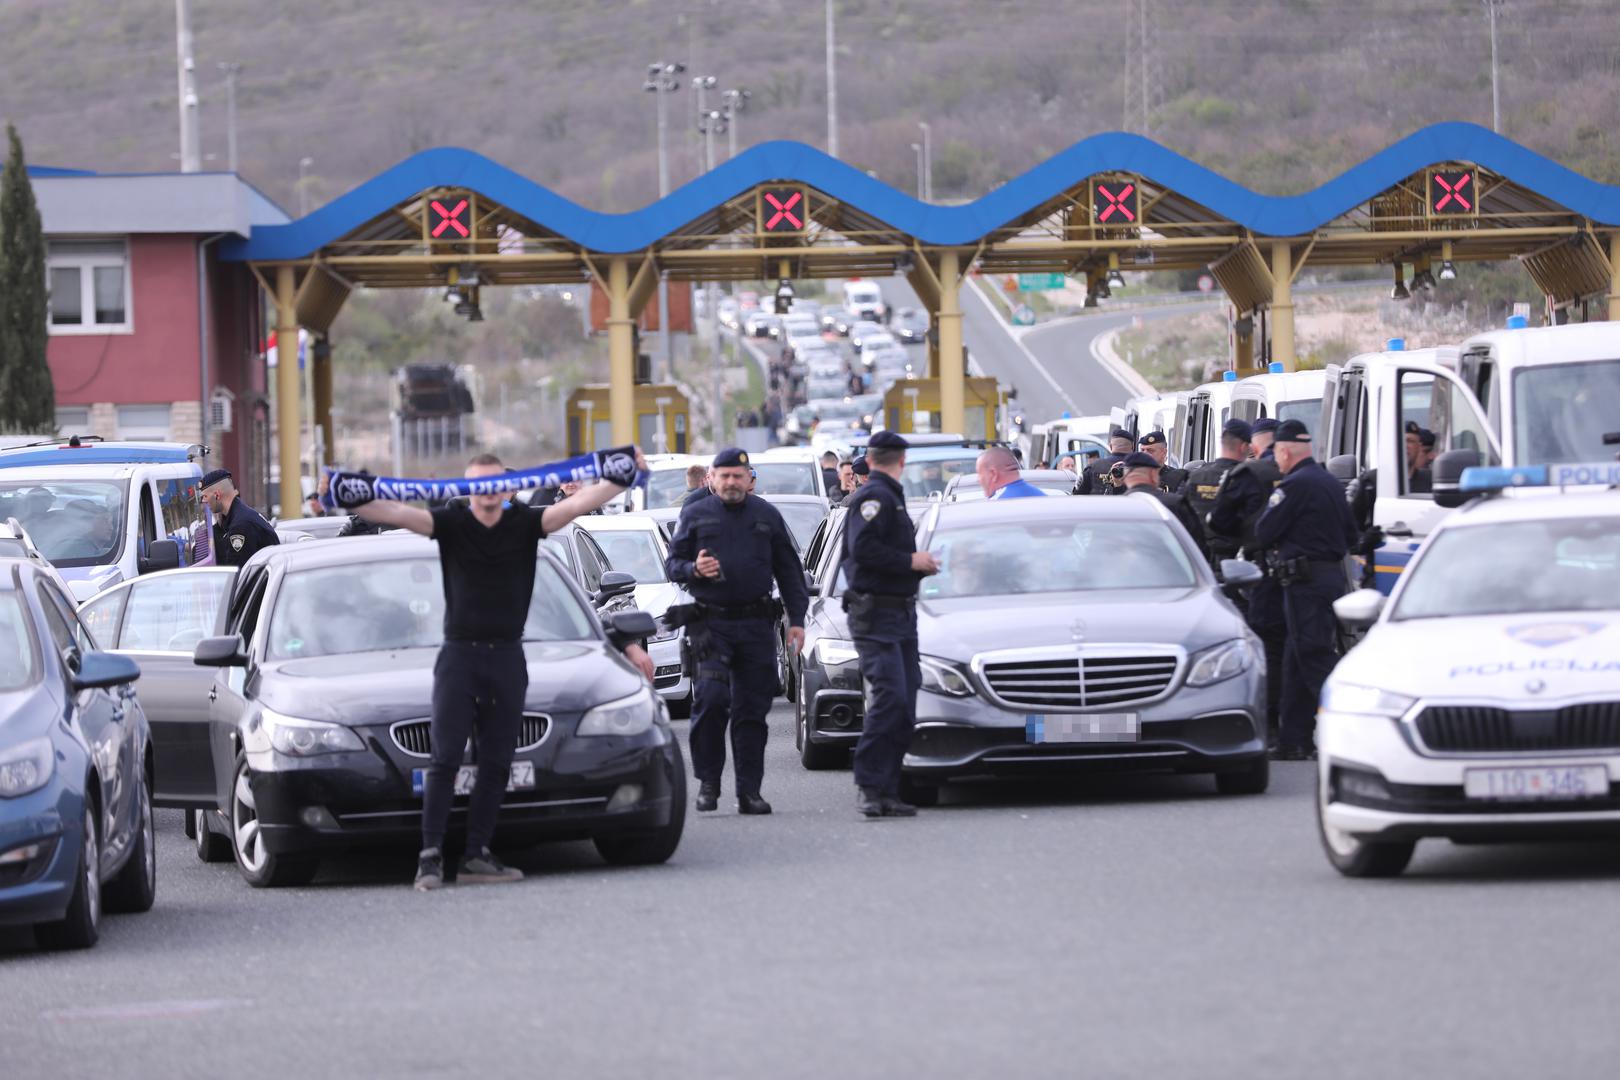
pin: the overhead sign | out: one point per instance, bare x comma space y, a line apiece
1115, 201
1453, 192
449, 216
784, 210
1039, 282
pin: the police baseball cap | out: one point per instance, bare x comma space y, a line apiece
1238, 429
1140, 460
886, 440
1261, 426
1292, 431
730, 456
1154, 438
214, 476
1426, 437
861, 467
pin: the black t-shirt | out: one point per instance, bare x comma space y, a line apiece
488, 572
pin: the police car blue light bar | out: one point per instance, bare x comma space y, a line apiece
1500, 477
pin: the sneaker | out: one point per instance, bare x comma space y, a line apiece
429, 869
483, 866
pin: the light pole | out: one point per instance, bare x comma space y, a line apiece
190, 141
663, 79
230, 68
735, 102
1491, 7
928, 161
711, 121
832, 85
917, 147
303, 185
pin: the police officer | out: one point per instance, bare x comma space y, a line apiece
1142, 478
239, 530
1204, 484
1156, 446
1308, 524
880, 546
1241, 500
727, 550
1095, 479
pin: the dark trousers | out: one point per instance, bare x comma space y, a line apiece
478, 690
1269, 622
886, 640
1310, 653
736, 681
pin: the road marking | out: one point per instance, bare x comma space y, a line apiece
1102, 351
1033, 362
145, 1010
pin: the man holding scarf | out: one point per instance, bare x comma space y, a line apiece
487, 551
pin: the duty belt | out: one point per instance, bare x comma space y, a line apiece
759, 609
884, 600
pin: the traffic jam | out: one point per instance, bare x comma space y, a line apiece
279, 686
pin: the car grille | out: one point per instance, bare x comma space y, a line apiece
1080, 682
413, 736
1483, 729
666, 677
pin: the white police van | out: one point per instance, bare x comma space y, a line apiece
1483, 703
105, 512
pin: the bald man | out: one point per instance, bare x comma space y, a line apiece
998, 475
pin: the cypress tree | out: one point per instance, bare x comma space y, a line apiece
27, 396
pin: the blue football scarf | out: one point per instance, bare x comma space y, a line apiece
350, 489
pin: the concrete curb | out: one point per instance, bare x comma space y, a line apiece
1103, 351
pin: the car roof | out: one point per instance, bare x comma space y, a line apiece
773, 497
990, 511
1033, 476
1538, 345
615, 523
101, 453
1535, 504
81, 471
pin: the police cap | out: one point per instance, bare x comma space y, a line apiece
886, 440
1263, 425
1140, 460
214, 476
1154, 438
730, 456
861, 467
1426, 437
1292, 431
1238, 429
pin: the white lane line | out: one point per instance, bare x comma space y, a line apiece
1013, 338
145, 1010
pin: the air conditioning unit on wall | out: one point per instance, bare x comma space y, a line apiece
221, 410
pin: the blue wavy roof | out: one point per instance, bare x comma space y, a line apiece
1266, 215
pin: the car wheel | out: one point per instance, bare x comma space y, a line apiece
262, 869
817, 756
81, 925
135, 887
1356, 857
681, 708
919, 792
212, 847
1252, 779
650, 848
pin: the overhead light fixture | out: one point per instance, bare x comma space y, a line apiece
452, 294
1448, 271
904, 264
1399, 291
1114, 280
1424, 280
784, 297
469, 275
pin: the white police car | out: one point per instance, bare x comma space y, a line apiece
1484, 702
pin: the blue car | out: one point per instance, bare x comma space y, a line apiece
76, 834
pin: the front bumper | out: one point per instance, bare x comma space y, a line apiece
1375, 783
39, 890
669, 677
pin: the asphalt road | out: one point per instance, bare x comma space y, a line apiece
1111, 928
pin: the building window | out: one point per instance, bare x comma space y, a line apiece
89, 282
143, 423
73, 419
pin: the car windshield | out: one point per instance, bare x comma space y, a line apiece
1516, 568
333, 610
666, 487
922, 478
802, 519
72, 522
785, 478
17, 668
633, 552
1055, 556
1562, 411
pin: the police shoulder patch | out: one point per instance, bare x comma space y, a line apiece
237, 540
1276, 498
870, 509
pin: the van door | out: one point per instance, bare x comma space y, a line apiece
1194, 435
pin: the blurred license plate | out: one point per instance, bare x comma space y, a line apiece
1082, 727
522, 777
1550, 782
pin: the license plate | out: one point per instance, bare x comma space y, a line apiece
1082, 728
1545, 782
521, 778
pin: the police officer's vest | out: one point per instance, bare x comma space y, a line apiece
1204, 484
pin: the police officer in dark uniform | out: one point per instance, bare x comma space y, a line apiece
239, 530
1156, 446
880, 547
1094, 479
1204, 484
727, 550
1142, 478
1308, 524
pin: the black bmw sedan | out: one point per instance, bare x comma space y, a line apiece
319, 728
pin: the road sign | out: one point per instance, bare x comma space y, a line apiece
1453, 192
783, 210
1023, 315
1206, 283
449, 217
1037, 282
1115, 201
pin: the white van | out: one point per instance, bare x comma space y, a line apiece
1550, 393
864, 300
103, 513
1281, 395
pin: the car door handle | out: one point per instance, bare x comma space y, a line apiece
213, 693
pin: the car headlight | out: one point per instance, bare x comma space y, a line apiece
1221, 662
1366, 700
27, 767
944, 677
306, 738
833, 651
665, 633
631, 715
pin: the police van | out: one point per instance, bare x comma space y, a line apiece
1280, 395
1483, 703
105, 512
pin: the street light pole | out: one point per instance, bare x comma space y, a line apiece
663, 79
917, 147
928, 161
303, 186
230, 68
832, 85
190, 141
1491, 7
736, 101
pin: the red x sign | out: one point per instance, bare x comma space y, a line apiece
449, 219
1451, 191
1106, 204
782, 210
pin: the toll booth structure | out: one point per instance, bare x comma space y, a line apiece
908, 399
454, 220
662, 419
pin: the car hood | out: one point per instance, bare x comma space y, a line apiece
655, 598
88, 581
382, 687
1494, 656
27, 714
1194, 619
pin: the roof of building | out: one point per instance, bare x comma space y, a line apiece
77, 202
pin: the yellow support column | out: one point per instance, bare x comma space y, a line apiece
322, 359
1282, 305
621, 356
289, 414
1614, 277
952, 410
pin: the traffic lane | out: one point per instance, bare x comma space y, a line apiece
1142, 922
1064, 346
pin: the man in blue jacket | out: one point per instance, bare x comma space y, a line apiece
999, 476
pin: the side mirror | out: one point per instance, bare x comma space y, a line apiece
1240, 574
160, 555
632, 624
614, 583
811, 585
102, 671
1359, 609
1343, 467
227, 651
1447, 472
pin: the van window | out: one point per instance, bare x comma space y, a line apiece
180, 502
1441, 407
